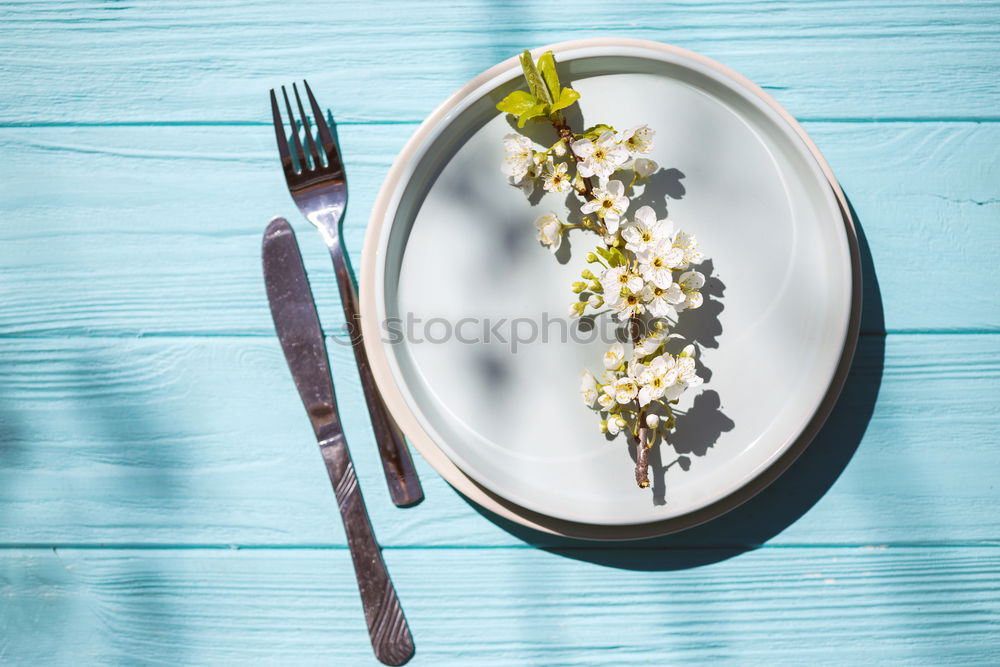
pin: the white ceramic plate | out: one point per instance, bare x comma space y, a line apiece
450, 240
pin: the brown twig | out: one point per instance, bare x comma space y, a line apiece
566, 134
643, 446
642, 461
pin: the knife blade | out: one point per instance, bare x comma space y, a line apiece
297, 324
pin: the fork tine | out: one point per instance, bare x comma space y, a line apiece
317, 161
299, 153
279, 132
325, 136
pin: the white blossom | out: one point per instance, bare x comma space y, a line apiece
518, 158
609, 202
605, 400
686, 367
652, 420
655, 378
608, 376
686, 376
634, 369
674, 391
657, 262
625, 389
648, 345
599, 158
629, 305
663, 366
588, 388
614, 356
526, 185
662, 302
690, 282
688, 243
639, 139
550, 229
644, 167
619, 279
555, 178
645, 230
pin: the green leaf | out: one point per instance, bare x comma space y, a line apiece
613, 256
517, 102
597, 130
617, 257
567, 97
547, 66
533, 112
534, 79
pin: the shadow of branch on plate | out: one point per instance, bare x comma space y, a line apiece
779, 505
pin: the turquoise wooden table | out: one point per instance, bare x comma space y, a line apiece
162, 501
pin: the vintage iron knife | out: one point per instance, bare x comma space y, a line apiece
297, 324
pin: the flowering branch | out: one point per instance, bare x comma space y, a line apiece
635, 260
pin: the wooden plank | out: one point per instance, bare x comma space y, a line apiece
203, 441
155, 230
506, 606
191, 61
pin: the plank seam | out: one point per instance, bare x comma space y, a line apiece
863, 546
127, 335
344, 123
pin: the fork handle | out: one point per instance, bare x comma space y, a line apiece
404, 485
387, 627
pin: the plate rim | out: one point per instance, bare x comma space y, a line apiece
381, 365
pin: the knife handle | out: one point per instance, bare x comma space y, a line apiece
390, 635
404, 485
